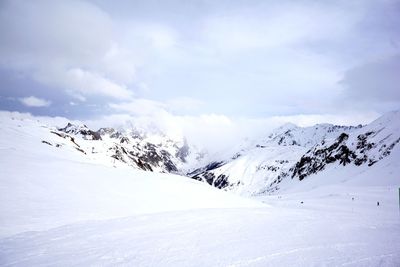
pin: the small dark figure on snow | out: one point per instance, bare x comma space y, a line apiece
301, 202
377, 203
352, 198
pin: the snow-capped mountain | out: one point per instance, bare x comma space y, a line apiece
140, 150
62, 207
287, 155
289, 134
50, 178
291, 153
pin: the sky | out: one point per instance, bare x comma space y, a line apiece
201, 68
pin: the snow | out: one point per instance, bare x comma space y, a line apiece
290, 134
61, 208
327, 230
253, 169
41, 187
274, 163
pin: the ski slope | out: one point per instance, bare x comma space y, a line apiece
41, 187
326, 230
63, 209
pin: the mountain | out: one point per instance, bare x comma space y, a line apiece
140, 150
50, 178
65, 201
286, 156
291, 154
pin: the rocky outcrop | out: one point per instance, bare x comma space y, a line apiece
82, 130
363, 149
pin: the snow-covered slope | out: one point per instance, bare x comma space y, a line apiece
290, 233
44, 186
292, 153
291, 135
140, 150
61, 207
367, 145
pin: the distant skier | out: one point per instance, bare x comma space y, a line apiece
377, 203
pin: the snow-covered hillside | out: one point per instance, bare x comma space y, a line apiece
45, 186
124, 147
291, 154
61, 207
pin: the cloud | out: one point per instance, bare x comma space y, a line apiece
67, 45
214, 132
377, 79
374, 83
85, 82
237, 59
160, 36
142, 106
210, 131
33, 101
271, 25
184, 104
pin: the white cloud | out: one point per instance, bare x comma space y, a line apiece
276, 26
92, 83
141, 106
255, 58
211, 131
76, 95
33, 101
80, 83
376, 81
66, 45
160, 36
215, 132
184, 104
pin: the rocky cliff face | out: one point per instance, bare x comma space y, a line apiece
368, 145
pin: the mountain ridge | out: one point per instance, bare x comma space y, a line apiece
286, 155
295, 153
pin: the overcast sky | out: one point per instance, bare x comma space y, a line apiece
203, 63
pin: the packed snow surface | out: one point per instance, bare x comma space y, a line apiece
61, 209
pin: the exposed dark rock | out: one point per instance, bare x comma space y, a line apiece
48, 143
144, 166
221, 181
183, 152
66, 136
80, 150
124, 140
83, 130
317, 158
106, 131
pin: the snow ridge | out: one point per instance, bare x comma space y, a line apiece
291, 153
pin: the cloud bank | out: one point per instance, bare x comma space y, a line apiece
233, 67
32, 101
